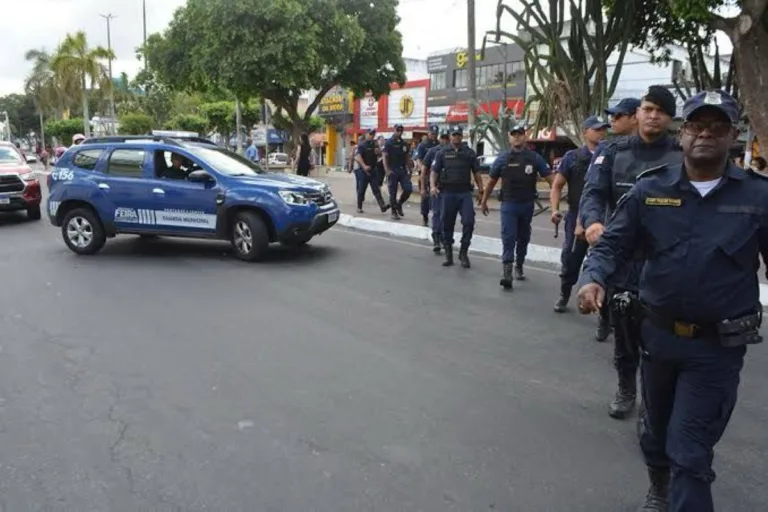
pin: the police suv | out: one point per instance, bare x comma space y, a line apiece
158, 186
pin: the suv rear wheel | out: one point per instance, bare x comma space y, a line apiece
83, 232
33, 213
250, 236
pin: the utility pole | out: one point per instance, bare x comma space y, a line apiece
471, 51
239, 126
144, 14
109, 18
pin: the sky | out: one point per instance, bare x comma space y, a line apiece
29, 24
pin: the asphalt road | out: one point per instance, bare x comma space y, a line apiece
355, 375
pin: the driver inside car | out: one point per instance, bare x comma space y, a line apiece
176, 171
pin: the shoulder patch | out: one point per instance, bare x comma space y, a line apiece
652, 171
599, 160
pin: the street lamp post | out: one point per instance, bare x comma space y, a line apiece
109, 18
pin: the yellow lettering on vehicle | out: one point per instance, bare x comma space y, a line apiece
663, 201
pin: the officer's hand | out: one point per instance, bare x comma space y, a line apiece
484, 208
423, 191
578, 232
556, 217
591, 298
434, 192
594, 232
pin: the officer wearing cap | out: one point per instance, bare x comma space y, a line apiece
421, 151
396, 162
366, 156
435, 206
611, 175
519, 169
572, 172
703, 225
453, 170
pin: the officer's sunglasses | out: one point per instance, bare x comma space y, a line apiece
715, 128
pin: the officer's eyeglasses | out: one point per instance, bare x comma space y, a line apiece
715, 128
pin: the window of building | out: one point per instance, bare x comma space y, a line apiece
128, 163
515, 70
437, 81
461, 78
87, 159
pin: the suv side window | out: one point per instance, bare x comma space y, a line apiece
87, 159
127, 163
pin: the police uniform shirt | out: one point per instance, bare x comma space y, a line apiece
424, 147
364, 147
439, 162
397, 151
702, 252
498, 165
570, 159
429, 158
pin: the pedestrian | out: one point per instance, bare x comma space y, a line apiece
436, 200
302, 164
252, 152
519, 169
421, 151
78, 139
703, 227
612, 174
451, 175
366, 156
572, 172
397, 159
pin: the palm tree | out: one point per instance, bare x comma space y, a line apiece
77, 66
41, 85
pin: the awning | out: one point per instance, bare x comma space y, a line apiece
276, 136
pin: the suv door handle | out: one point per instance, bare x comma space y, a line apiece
158, 191
103, 186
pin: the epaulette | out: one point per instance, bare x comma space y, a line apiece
652, 171
619, 143
753, 173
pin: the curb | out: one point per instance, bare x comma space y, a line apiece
484, 245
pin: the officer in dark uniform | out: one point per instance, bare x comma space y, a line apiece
612, 174
396, 162
365, 172
572, 172
435, 206
421, 152
451, 177
519, 170
703, 226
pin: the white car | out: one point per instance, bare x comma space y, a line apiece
279, 159
31, 158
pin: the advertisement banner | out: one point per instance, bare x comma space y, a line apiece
369, 113
408, 107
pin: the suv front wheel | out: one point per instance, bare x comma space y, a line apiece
250, 236
83, 232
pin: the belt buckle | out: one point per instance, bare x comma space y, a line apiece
685, 330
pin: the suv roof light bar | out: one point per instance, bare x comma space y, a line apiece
133, 138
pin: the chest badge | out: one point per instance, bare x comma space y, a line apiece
528, 169
663, 201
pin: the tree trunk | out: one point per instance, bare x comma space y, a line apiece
42, 130
86, 114
752, 75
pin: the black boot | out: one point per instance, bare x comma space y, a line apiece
519, 272
464, 255
382, 205
425, 220
562, 302
448, 256
657, 498
603, 329
506, 276
394, 214
399, 207
360, 208
624, 402
436, 243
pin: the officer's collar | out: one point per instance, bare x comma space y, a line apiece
664, 140
732, 172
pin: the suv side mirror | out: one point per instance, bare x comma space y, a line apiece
199, 176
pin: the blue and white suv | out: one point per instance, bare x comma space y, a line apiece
156, 186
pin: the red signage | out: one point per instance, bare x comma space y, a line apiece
459, 112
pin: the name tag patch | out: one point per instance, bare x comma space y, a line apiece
663, 201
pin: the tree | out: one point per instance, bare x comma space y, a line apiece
495, 129
657, 23
21, 113
135, 124
64, 129
187, 122
566, 62
275, 49
79, 67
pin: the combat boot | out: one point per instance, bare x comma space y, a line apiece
657, 498
506, 276
603, 329
624, 402
448, 256
562, 302
382, 205
425, 220
360, 208
464, 255
394, 214
519, 275
436, 243
399, 207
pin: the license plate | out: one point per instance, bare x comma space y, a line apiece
333, 217
5, 200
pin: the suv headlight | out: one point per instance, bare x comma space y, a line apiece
293, 197
30, 176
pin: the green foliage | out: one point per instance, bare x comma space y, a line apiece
220, 116
135, 124
315, 124
276, 49
64, 129
187, 122
22, 113
495, 129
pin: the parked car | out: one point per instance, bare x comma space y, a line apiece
279, 159
19, 187
30, 157
157, 186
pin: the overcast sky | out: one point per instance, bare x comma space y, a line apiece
43, 23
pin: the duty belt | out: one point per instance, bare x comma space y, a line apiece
720, 329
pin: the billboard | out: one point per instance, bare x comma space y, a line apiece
369, 113
407, 107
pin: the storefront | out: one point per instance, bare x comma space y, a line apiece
405, 105
336, 109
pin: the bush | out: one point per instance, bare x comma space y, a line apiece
64, 129
135, 124
187, 123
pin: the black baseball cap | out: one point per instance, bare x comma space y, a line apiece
627, 107
518, 128
716, 99
457, 130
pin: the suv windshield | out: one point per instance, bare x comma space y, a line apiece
226, 162
9, 156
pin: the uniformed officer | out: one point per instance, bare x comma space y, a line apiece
435, 206
421, 152
703, 226
451, 177
572, 172
611, 175
396, 162
519, 170
365, 172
